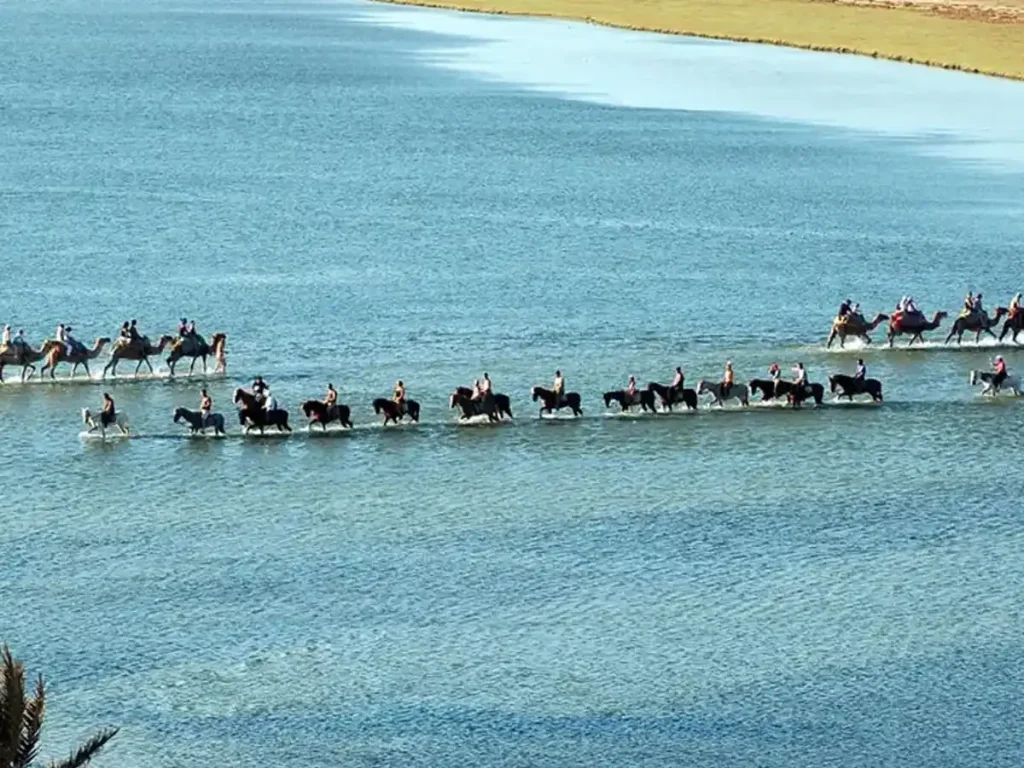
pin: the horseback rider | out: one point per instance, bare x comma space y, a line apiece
331, 398
775, 372
999, 371
558, 388
677, 382
259, 389
108, 415
269, 401
727, 379
205, 406
801, 377
631, 388
399, 396
485, 386
861, 372
477, 392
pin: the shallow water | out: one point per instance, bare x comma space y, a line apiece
358, 194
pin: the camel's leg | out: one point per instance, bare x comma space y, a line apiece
204, 365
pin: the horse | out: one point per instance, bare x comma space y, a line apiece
775, 389
502, 405
321, 414
642, 397
547, 398
196, 423
673, 395
95, 424
393, 413
851, 386
740, 392
252, 411
1011, 383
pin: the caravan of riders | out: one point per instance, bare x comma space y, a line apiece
130, 344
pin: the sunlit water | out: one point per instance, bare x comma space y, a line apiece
358, 194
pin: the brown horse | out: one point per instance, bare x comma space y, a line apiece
551, 404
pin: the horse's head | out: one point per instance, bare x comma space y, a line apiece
308, 407
974, 377
702, 387
535, 394
453, 400
239, 395
376, 405
86, 416
608, 398
832, 383
178, 413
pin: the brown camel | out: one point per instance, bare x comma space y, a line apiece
56, 352
139, 349
853, 325
1014, 324
22, 355
915, 325
196, 348
976, 322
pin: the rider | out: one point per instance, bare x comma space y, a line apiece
269, 401
182, 328
727, 379
911, 307
485, 386
977, 305
968, 304
331, 398
133, 332
855, 310
631, 387
260, 388
845, 309
69, 341
19, 339
558, 387
205, 406
477, 391
862, 371
775, 372
999, 369
6, 342
124, 334
108, 415
801, 376
677, 380
399, 396
191, 330
1014, 306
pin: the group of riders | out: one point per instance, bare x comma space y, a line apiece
906, 306
128, 335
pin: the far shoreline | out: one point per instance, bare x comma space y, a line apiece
973, 44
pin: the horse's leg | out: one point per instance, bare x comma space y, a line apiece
192, 367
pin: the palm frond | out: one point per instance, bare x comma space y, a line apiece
87, 751
12, 706
31, 725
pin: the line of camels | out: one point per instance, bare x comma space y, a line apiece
52, 353
917, 324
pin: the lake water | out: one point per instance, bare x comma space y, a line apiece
358, 194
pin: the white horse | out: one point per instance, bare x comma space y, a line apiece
1011, 383
96, 424
737, 391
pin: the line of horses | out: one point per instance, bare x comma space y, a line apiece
655, 398
916, 324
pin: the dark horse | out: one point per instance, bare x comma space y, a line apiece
393, 413
252, 412
642, 397
772, 390
851, 386
547, 397
674, 395
196, 422
494, 407
321, 414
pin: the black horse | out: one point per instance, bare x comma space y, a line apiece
501, 405
642, 397
674, 395
547, 397
196, 422
252, 414
492, 406
772, 390
393, 413
851, 386
321, 414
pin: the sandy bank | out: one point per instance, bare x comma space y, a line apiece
980, 36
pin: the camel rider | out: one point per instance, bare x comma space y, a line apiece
182, 328
70, 342
978, 306
205, 406
558, 387
19, 339
999, 369
6, 342
399, 396
124, 335
727, 379
855, 312
861, 372
911, 307
191, 330
1014, 306
133, 332
331, 398
631, 387
844, 309
108, 415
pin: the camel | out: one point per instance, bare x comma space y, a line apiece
978, 322
196, 348
134, 350
853, 325
1014, 324
915, 325
56, 352
22, 355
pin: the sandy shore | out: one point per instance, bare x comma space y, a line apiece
980, 36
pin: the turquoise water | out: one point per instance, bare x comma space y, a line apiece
358, 194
